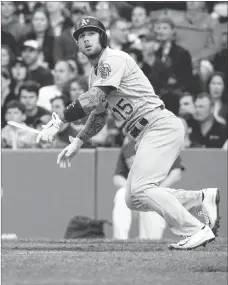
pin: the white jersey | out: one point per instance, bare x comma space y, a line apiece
134, 96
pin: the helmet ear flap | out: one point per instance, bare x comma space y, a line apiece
103, 39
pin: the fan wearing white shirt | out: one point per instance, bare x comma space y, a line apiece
63, 72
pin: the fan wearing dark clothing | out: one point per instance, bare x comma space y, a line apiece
8, 40
177, 59
210, 133
30, 53
6, 94
151, 225
41, 33
28, 94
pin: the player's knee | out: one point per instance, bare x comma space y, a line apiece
137, 202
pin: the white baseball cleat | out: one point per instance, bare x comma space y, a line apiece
210, 208
202, 237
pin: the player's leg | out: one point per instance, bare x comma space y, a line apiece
121, 216
157, 151
151, 225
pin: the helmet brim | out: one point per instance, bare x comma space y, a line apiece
80, 30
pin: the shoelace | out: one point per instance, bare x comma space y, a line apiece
205, 215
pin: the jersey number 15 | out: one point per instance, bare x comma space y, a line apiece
123, 108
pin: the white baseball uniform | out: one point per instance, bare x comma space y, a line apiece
159, 136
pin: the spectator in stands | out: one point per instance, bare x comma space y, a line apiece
119, 31
65, 44
9, 41
139, 20
216, 89
221, 57
6, 93
200, 79
76, 87
41, 34
6, 57
58, 22
31, 56
19, 73
211, 133
103, 13
83, 65
58, 104
14, 137
187, 111
155, 70
63, 72
176, 58
10, 21
28, 94
187, 106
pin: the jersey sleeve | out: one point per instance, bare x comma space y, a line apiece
178, 164
121, 166
110, 72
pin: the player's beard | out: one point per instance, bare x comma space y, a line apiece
95, 54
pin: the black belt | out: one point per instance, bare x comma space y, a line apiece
139, 126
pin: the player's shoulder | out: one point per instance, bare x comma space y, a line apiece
112, 53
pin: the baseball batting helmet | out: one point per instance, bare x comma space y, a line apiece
91, 22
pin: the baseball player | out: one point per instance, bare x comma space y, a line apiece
118, 84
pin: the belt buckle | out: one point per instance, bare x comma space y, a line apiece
139, 126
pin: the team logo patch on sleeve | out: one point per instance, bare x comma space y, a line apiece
104, 69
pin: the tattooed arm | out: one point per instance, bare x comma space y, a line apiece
85, 103
93, 126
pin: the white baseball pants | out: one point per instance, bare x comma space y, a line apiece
157, 147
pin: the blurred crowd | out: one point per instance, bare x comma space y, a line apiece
183, 52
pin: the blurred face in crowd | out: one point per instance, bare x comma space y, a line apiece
216, 87
195, 5
103, 11
62, 73
138, 17
7, 9
164, 32
54, 6
5, 57
76, 15
14, 114
89, 43
187, 105
150, 47
19, 72
119, 32
204, 109
29, 99
30, 55
57, 105
40, 21
75, 90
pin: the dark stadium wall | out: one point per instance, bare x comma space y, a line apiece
39, 198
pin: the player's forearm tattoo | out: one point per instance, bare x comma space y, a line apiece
84, 105
93, 126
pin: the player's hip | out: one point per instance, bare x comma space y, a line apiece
159, 120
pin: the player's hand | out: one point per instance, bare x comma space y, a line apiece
50, 130
66, 155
